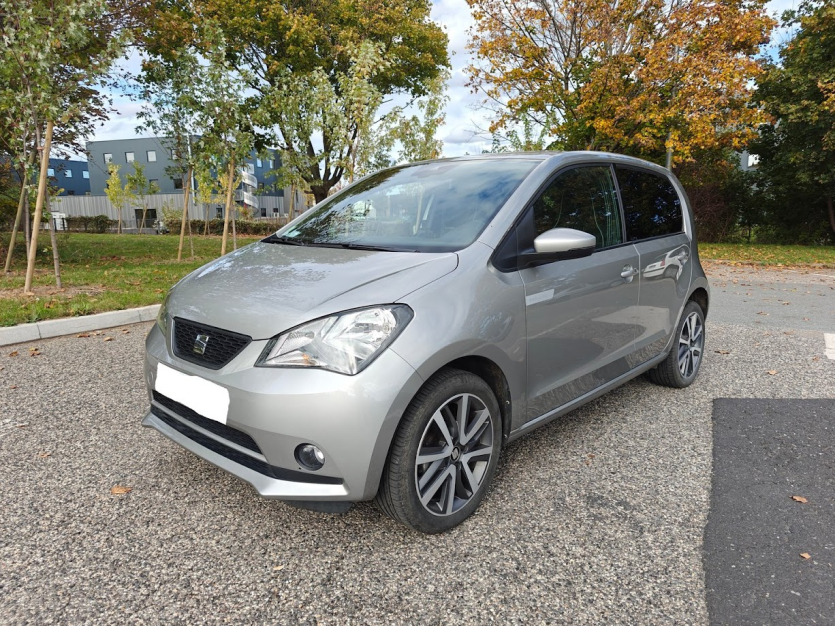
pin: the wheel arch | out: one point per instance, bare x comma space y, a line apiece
700, 296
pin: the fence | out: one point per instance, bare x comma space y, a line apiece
90, 206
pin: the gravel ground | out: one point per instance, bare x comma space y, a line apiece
597, 518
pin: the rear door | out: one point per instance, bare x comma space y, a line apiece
580, 312
653, 213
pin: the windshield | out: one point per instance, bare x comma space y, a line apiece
429, 207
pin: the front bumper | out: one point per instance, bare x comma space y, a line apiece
352, 419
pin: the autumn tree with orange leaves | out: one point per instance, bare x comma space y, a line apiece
642, 77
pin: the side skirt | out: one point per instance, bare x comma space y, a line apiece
588, 397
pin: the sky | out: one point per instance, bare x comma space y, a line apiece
464, 130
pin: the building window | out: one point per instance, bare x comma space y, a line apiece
152, 156
70, 193
108, 158
250, 168
263, 211
178, 183
260, 185
272, 163
259, 163
50, 172
153, 181
219, 212
85, 175
67, 173
130, 157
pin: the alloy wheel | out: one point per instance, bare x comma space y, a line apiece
454, 454
690, 345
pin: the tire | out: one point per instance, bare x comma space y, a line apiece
450, 492
676, 370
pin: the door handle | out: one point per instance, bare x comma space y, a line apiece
628, 272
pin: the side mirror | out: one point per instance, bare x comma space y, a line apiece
558, 244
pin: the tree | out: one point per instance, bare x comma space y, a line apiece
797, 152
636, 76
120, 196
139, 187
279, 41
59, 53
416, 135
169, 92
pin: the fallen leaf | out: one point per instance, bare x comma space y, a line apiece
722, 351
43, 455
278, 568
762, 313
805, 319
118, 490
125, 331
786, 303
806, 555
800, 499
24, 425
13, 353
13, 387
772, 372
83, 335
108, 338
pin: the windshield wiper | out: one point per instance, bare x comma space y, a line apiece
359, 246
288, 240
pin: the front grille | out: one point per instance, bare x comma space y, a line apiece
221, 430
186, 416
219, 346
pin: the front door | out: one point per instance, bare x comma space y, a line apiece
580, 312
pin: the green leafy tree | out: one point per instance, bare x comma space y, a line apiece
140, 188
169, 91
417, 132
797, 151
119, 195
277, 42
55, 55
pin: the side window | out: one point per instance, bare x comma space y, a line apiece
651, 205
583, 198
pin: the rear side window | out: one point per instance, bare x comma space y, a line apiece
651, 205
583, 198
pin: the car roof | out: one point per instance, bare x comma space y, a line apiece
557, 156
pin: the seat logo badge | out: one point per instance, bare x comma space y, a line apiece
200, 343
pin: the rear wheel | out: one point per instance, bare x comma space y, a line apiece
682, 365
444, 454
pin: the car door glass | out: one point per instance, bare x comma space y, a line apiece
585, 199
650, 203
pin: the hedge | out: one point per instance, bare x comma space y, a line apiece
89, 224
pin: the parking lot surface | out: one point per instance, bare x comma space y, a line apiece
596, 518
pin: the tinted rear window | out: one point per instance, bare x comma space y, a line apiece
651, 205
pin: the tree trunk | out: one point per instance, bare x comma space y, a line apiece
53, 239
144, 213
228, 209
21, 206
190, 240
206, 214
291, 210
234, 231
36, 223
831, 208
119, 225
186, 190
27, 232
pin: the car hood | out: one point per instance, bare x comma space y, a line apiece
264, 289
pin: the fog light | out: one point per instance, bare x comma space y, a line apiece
310, 456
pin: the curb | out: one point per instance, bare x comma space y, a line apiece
70, 325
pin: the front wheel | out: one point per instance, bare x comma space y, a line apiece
444, 453
682, 365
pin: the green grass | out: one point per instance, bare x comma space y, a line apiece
112, 272
100, 273
769, 255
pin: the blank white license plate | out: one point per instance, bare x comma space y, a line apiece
200, 395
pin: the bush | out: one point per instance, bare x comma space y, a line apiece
90, 224
242, 227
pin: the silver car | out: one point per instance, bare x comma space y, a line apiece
386, 344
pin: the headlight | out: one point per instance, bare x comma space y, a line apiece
346, 342
163, 319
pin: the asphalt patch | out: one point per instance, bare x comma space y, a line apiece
769, 558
